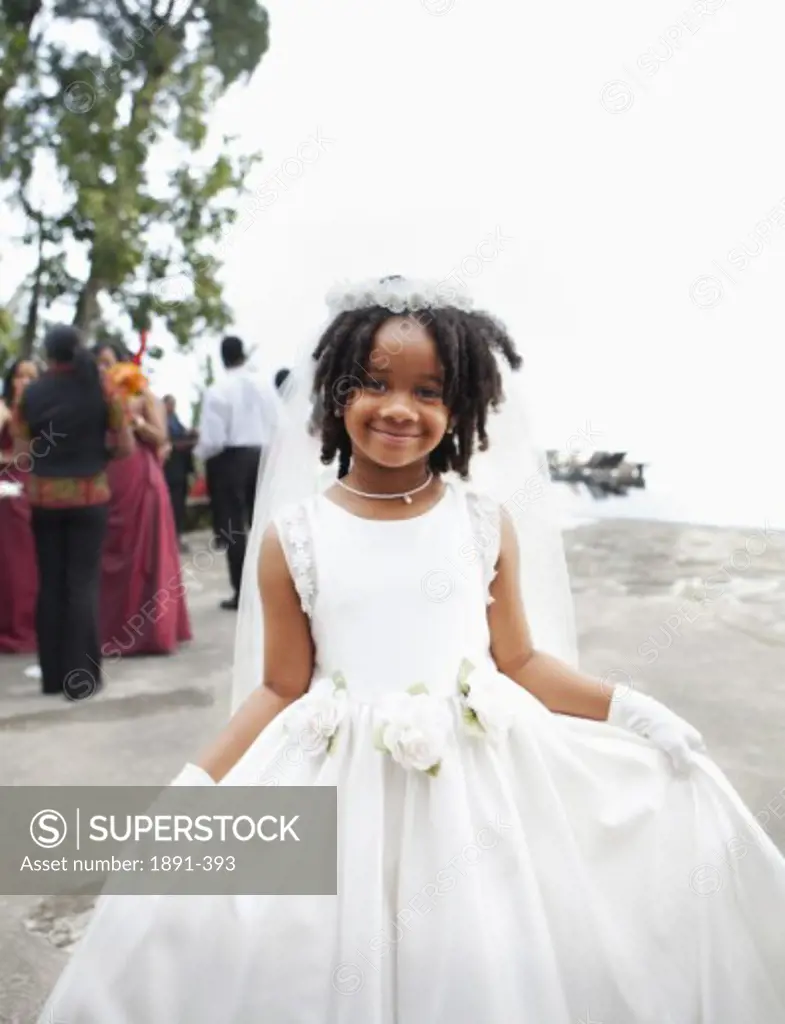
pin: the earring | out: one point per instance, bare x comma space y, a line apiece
337, 413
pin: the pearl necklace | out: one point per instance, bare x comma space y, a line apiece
405, 495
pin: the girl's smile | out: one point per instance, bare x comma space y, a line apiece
395, 436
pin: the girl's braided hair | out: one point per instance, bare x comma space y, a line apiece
467, 344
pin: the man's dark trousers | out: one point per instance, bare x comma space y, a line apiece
232, 476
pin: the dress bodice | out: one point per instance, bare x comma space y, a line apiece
395, 603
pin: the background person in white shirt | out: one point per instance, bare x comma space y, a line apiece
239, 415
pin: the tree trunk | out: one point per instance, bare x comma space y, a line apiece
129, 176
31, 325
88, 311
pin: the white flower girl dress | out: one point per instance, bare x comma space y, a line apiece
498, 864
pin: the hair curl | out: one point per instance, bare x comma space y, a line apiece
467, 344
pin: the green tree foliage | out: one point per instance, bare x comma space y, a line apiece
208, 378
9, 337
118, 123
17, 53
11, 331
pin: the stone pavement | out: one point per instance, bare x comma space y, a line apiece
696, 614
154, 714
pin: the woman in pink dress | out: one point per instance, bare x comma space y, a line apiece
19, 576
143, 608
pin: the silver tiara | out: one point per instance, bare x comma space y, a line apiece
398, 294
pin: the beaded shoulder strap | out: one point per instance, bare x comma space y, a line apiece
294, 530
485, 516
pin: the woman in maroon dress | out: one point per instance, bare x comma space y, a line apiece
143, 609
19, 576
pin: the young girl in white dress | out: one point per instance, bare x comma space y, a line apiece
517, 842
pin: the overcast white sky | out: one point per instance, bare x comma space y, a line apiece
443, 126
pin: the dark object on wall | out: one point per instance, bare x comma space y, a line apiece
603, 474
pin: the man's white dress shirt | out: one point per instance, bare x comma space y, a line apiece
238, 411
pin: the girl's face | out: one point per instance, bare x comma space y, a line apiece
106, 358
25, 373
398, 417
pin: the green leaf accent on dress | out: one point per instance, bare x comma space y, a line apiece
340, 680
434, 770
465, 669
378, 741
417, 688
471, 719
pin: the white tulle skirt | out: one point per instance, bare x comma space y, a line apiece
559, 876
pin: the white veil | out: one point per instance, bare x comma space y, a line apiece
512, 471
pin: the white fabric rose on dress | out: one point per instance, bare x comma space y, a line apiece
314, 719
413, 728
484, 713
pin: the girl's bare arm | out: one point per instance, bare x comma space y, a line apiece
288, 662
556, 685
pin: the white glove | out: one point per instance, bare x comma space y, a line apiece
646, 717
193, 775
